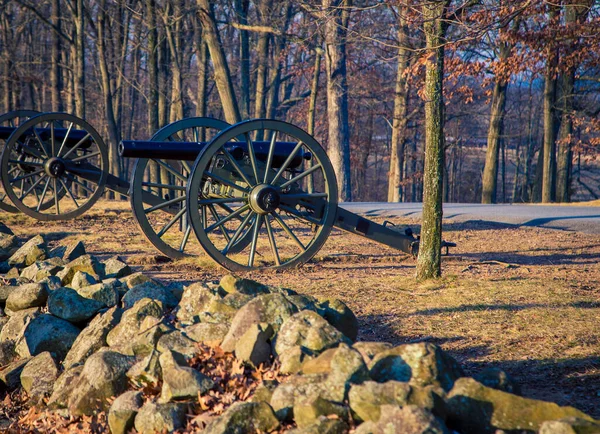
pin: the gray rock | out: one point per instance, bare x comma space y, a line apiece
420, 364
155, 418
310, 331
293, 359
146, 372
123, 410
264, 392
340, 316
221, 310
86, 263
254, 346
5, 291
7, 270
570, 425
146, 339
9, 244
181, 382
33, 250
52, 282
103, 376
244, 417
175, 341
64, 385
136, 279
323, 425
27, 296
207, 333
7, 351
13, 329
237, 285
47, 333
367, 399
42, 269
67, 304
308, 411
93, 337
38, 375
82, 279
5, 229
406, 420
10, 375
498, 379
115, 268
475, 408
149, 290
129, 326
193, 302
272, 309
69, 252
105, 293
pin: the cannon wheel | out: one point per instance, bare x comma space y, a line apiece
12, 119
71, 177
171, 235
289, 217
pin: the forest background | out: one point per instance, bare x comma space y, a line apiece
521, 83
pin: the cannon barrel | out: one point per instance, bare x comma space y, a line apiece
188, 151
73, 137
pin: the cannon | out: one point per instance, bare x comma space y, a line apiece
252, 203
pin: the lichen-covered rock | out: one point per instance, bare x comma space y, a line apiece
420, 364
69, 252
52, 282
33, 250
38, 375
175, 341
340, 316
82, 279
308, 411
367, 399
193, 302
124, 332
10, 375
218, 310
254, 346
5, 291
244, 417
475, 408
406, 420
234, 284
27, 296
105, 293
498, 379
272, 309
570, 425
67, 304
13, 329
207, 333
115, 268
147, 371
293, 359
64, 385
323, 425
47, 333
7, 351
157, 418
93, 337
123, 410
136, 279
103, 376
86, 263
181, 382
42, 269
9, 244
149, 290
310, 331
264, 392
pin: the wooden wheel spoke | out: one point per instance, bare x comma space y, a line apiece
74, 148
287, 162
44, 191
186, 236
26, 163
272, 241
270, 157
224, 181
21, 178
69, 192
301, 175
287, 229
171, 222
216, 216
81, 184
237, 233
221, 201
41, 142
85, 156
165, 186
171, 170
164, 204
30, 189
64, 142
236, 166
253, 162
257, 224
227, 218
300, 214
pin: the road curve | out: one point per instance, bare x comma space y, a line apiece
571, 218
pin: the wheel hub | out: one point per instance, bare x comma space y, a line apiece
264, 199
54, 167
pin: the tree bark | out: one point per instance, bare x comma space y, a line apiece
400, 106
55, 82
429, 259
202, 59
337, 95
241, 7
173, 33
79, 60
221, 68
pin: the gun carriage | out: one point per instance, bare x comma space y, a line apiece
258, 194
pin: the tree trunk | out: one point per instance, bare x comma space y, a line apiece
55, 82
400, 106
222, 74
202, 59
337, 96
79, 60
173, 32
429, 260
241, 7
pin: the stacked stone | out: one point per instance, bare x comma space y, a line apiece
82, 335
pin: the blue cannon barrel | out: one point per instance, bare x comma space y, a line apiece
74, 137
188, 151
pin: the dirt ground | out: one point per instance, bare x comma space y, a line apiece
524, 299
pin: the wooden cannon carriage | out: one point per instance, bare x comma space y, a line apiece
258, 194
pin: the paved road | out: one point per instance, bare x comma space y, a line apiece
571, 218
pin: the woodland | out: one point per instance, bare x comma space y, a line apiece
518, 105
